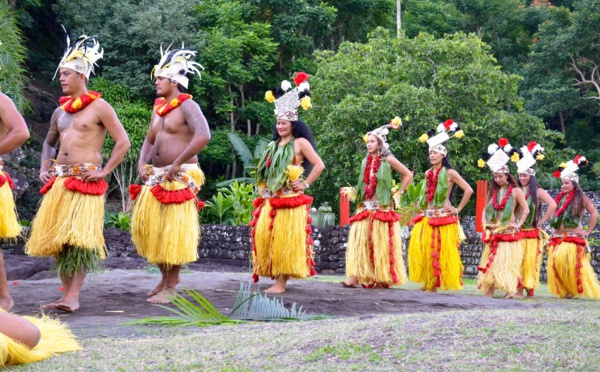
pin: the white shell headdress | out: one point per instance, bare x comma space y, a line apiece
176, 64
287, 101
383, 131
445, 131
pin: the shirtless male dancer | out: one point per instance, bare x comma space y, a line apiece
69, 223
13, 133
165, 225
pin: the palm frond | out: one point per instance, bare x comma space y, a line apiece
241, 148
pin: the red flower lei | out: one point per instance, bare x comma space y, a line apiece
432, 180
162, 107
568, 202
502, 204
70, 105
371, 181
528, 193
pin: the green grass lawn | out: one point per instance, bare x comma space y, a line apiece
564, 335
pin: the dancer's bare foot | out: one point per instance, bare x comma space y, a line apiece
6, 303
433, 290
279, 286
161, 286
350, 283
68, 306
518, 294
569, 296
161, 297
489, 293
422, 289
52, 305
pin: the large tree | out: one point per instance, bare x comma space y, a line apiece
425, 81
12, 54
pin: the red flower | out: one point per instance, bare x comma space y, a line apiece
556, 173
535, 40
268, 163
300, 78
448, 123
576, 160
503, 142
531, 145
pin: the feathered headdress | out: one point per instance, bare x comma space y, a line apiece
498, 155
383, 131
445, 131
82, 55
286, 103
176, 64
529, 155
567, 170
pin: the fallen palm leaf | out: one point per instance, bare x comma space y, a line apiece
248, 307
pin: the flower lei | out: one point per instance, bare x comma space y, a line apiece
502, 204
566, 204
70, 105
370, 176
162, 107
432, 180
528, 193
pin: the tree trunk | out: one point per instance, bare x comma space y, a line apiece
562, 123
231, 116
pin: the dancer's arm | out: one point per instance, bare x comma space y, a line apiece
589, 207
522, 203
396, 165
313, 158
466, 188
19, 329
546, 198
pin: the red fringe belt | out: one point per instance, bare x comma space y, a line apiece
168, 196
581, 247
75, 184
284, 203
493, 241
7, 178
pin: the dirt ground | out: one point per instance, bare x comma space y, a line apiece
116, 296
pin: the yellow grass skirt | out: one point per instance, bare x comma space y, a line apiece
281, 237
434, 254
55, 338
533, 250
164, 231
10, 227
374, 253
67, 218
569, 270
501, 262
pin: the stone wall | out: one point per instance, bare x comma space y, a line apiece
231, 245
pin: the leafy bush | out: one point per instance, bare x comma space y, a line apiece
121, 221
233, 204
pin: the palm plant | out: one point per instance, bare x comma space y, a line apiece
12, 55
249, 306
247, 157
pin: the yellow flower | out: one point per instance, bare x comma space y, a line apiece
515, 157
366, 137
539, 157
480, 163
305, 102
424, 137
459, 134
269, 96
350, 192
562, 165
77, 103
293, 172
174, 102
396, 122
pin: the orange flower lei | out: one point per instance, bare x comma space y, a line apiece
72, 106
162, 107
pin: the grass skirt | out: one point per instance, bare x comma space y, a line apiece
71, 214
501, 262
281, 237
569, 269
374, 253
10, 228
533, 251
55, 338
165, 226
434, 254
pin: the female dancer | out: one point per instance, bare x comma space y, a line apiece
534, 238
374, 253
501, 261
569, 270
281, 232
433, 253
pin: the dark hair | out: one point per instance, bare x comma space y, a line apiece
494, 186
533, 186
579, 200
181, 88
299, 130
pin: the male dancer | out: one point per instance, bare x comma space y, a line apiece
165, 227
13, 133
70, 220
